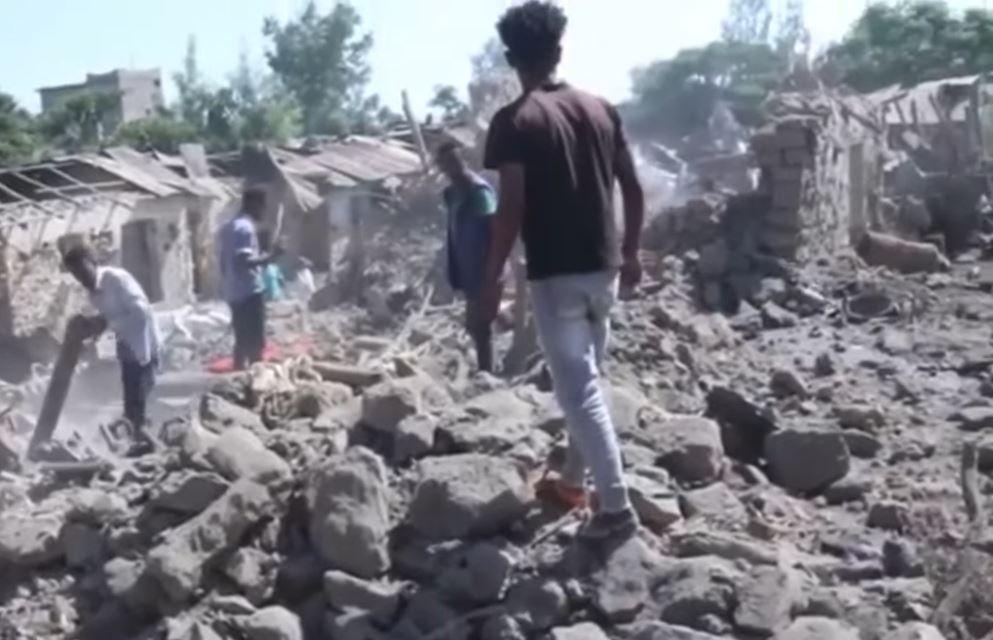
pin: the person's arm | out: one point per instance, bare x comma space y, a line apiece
634, 205
505, 225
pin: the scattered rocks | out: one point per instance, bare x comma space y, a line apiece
345, 592
974, 418
691, 449
476, 575
239, 453
387, 403
915, 631
349, 513
891, 516
814, 628
584, 631
861, 417
272, 623
786, 383
807, 461
468, 494
30, 540
694, 590
767, 600
744, 425
862, 445
715, 504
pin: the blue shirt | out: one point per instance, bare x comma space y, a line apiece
240, 240
469, 209
272, 278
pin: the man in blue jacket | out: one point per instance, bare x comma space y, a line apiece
471, 203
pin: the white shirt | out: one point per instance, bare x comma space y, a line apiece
123, 304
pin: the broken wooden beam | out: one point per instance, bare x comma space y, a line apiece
58, 385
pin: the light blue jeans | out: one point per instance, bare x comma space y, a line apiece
572, 315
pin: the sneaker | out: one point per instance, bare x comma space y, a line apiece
604, 525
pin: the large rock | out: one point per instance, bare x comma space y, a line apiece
492, 424
715, 504
84, 546
468, 494
239, 454
974, 418
539, 603
915, 631
690, 448
767, 600
476, 575
349, 512
695, 590
188, 492
254, 571
621, 583
807, 461
582, 631
744, 425
385, 404
814, 628
30, 540
665, 631
272, 623
178, 563
218, 415
654, 500
344, 591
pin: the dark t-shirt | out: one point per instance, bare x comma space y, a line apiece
569, 142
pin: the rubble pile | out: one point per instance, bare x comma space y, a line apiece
796, 475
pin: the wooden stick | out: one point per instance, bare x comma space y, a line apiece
970, 484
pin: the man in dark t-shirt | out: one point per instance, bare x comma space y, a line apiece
559, 152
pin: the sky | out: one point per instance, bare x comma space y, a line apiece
419, 44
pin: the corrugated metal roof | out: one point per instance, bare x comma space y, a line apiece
367, 159
899, 104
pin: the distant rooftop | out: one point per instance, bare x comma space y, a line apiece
94, 78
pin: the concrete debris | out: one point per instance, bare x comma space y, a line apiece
791, 425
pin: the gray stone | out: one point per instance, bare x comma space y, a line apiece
665, 631
813, 628
188, 492
428, 614
776, 317
344, 591
468, 494
30, 540
84, 547
349, 512
254, 572
502, 627
413, 438
862, 445
807, 461
889, 515
239, 454
974, 418
218, 415
384, 405
744, 424
767, 600
716, 504
272, 623
582, 631
127, 581
785, 383
539, 602
95, 507
314, 398
984, 453
861, 417
693, 590
476, 575
690, 448
915, 631
655, 502
824, 365
695, 544
354, 625
300, 576
178, 563
621, 583
234, 605
848, 489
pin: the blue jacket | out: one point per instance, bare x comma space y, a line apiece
470, 208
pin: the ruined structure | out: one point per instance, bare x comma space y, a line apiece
137, 94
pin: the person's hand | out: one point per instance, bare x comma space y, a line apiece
631, 271
489, 301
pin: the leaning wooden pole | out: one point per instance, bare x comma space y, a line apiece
415, 127
58, 386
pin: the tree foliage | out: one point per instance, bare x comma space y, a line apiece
160, 133
322, 62
748, 22
446, 100
18, 138
82, 121
911, 42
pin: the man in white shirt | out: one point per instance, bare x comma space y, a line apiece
124, 308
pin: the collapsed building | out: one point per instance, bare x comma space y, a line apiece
157, 216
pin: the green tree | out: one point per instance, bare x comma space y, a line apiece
675, 97
446, 99
18, 139
748, 21
82, 121
912, 42
322, 62
160, 133
792, 34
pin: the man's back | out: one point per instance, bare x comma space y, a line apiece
238, 240
568, 142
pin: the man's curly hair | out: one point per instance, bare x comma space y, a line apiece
532, 33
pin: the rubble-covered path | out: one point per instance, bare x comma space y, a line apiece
812, 468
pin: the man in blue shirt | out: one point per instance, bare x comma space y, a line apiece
471, 203
241, 271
